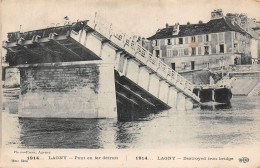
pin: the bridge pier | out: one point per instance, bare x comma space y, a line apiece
172, 98
181, 101
188, 104
68, 90
143, 77
163, 91
154, 85
132, 70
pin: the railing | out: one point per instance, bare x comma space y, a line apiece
244, 68
61, 30
130, 45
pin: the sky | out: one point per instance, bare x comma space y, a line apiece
141, 17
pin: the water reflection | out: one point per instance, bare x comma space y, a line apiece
198, 128
60, 133
216, 106
126, 134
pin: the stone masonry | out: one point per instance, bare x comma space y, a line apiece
69, 90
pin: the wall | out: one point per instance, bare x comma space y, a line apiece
201, 62
254, 48
197, 77
243, 46
12, 77
68, 90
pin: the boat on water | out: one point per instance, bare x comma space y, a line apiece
213, 94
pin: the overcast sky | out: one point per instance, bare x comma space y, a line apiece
141, 17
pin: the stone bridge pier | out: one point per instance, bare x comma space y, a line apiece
68, 90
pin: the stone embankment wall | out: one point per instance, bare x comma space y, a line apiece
255, 91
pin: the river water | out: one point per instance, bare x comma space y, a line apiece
198, 128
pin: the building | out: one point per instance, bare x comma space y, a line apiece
252, 27
219, 42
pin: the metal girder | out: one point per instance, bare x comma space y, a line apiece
133, 94
30, 42
30, 51
65, 48
42, 46
10, 49
49, 50
126, 98
148, 96
69, 44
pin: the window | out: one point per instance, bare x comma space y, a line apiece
193, 39
235, 35
184, 65
186, 40
157, 53
169, 42
192, 65
235, 46
200, 39
181, 52
199, 50
180, 40
221, 48
236, 61
193, 51
186, 51
156, 42
207, 37
169, 53
175, 52
206, 50
173, 66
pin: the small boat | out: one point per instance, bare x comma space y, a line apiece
213, 94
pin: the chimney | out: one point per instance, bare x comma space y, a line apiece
167, 25
200, 22
188, 23
216, 14
243, 17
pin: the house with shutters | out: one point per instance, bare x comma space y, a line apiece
219, 42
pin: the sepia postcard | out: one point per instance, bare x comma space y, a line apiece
109, 83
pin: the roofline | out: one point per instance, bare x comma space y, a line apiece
191, 35
242, 31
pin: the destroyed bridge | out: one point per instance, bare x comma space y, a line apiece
90, 69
